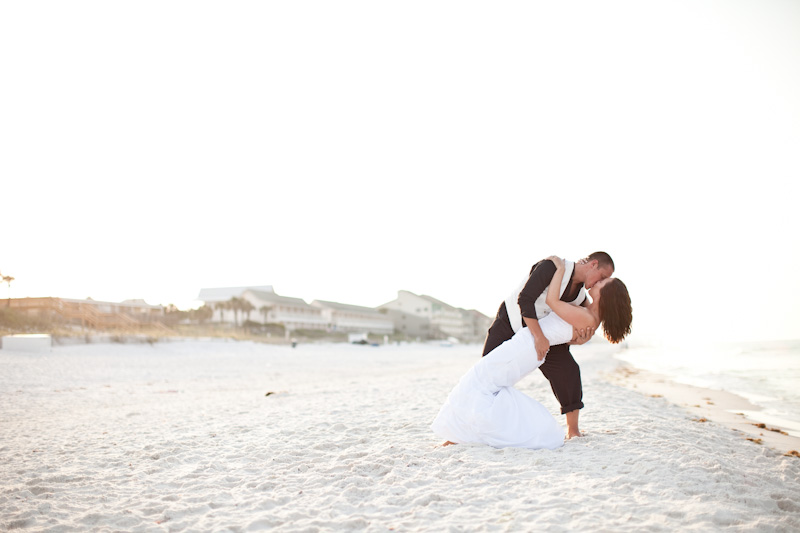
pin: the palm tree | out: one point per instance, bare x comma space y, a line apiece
221, 307
246, 307
8, 279
204, 313
235, 304
201, 314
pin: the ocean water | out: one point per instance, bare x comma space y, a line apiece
766, 373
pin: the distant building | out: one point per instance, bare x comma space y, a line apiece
411, 326
224, 294
410, 315
292, 313
448, 321
267, 307
444, 319
216, 298
479, 324
354, 318
127, 315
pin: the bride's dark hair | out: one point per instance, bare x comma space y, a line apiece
615, 310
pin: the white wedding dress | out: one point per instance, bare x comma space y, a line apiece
486, 408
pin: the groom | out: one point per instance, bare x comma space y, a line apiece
527, 305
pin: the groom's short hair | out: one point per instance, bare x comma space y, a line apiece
602, 258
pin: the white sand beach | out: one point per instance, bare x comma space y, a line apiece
208, 435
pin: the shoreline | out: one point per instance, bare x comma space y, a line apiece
708, 405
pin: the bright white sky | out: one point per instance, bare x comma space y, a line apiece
345, 150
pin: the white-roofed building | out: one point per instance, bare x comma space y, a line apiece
479, 323
218, 298
267, 307
292, 313
407, 324
445, 320
224, 294
348, 318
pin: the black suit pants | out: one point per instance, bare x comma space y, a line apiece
559, 367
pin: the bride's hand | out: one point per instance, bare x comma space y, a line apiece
557, 261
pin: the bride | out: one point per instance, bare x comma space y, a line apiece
484, 407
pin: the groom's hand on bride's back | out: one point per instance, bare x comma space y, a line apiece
583, 336
542, 346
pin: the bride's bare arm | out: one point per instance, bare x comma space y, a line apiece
578, 317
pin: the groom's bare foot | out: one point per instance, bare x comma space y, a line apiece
572, 425
447, 443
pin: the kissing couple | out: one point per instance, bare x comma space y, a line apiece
534, 328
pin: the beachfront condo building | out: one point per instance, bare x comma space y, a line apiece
354, 318
444, 319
